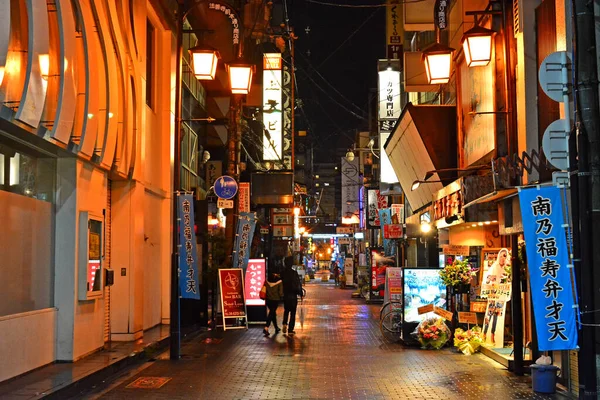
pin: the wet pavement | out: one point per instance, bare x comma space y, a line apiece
337, 353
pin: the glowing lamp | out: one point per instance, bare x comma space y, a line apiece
438, 63
204, 62
1, 75
240, 78
477, 46
44, 65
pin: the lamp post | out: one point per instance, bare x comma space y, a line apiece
204, 64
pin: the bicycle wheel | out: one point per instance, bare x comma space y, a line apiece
389, 306
391, 326
364, 290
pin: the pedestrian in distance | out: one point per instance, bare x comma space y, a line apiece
292, 288
274, 287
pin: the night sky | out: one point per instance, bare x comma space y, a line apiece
336, 59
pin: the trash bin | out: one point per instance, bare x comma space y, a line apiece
543, 378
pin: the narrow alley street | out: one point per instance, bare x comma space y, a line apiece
337, 353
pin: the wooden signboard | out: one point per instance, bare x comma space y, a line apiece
425, 309
231, 282
467, 317
447, 315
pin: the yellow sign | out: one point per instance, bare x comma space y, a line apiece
394, 24
425, 309
94, 251
467, 318
447, 315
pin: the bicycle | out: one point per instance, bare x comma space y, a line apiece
391, 325
388, 306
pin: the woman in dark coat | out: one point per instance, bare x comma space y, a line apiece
274, 296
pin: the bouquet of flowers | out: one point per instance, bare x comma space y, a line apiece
432, 332
457, 273
468, 341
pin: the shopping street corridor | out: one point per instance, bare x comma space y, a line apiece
337, 353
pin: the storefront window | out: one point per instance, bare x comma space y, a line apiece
27, 192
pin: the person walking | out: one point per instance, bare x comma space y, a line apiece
292, 288
274, 287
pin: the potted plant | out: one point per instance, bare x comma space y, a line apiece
457, 275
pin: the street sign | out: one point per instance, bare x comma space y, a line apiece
554, 75
225, 187
555, 143
222, 203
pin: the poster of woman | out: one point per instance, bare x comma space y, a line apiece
495, 286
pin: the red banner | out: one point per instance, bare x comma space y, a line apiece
232, 292
255, 277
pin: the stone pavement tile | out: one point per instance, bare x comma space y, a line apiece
338, 353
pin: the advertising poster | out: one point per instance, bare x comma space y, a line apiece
375, 202
550, 277
231, 284
496, 289
393, 285
379, 263
349, 271
254, 280
385, 218
422, 287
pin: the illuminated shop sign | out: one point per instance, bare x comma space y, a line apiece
272, 107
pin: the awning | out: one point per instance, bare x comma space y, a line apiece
423, 139
493, 196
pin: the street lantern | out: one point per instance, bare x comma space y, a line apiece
240, 78
477, 46
204, 62
438, 63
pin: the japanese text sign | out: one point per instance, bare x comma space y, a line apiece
374, 203
244, 197
255, 278
243, 239
550, 278
385, 217
188, 257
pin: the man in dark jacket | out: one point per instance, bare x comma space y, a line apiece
292, 288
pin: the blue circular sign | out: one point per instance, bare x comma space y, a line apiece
225, 187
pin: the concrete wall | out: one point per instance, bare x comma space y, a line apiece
27, 341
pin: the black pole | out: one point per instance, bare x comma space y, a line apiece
588, 124
517, 315
175, 322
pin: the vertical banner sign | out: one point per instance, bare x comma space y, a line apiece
243, 239
394, 30
398, 211
550, 278
231, 284
390, 106
393, 284
349, 271
272, 107
351, 183
385, 216
375, 202
244, 197
188, 258
255, 278
214, 169
288, 115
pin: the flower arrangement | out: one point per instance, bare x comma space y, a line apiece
468, 341
457, 273
432, 333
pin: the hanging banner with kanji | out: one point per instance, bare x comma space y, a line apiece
243, 239
549, 274
188, 257
385, 218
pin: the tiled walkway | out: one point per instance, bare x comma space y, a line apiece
337, 353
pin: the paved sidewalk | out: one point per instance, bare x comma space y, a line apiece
54, 380
337, 353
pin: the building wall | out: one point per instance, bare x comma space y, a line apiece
94, 108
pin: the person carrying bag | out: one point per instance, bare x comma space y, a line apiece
273, 292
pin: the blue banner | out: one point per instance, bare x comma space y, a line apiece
243, 239
385, 218
188, 256
549, 274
